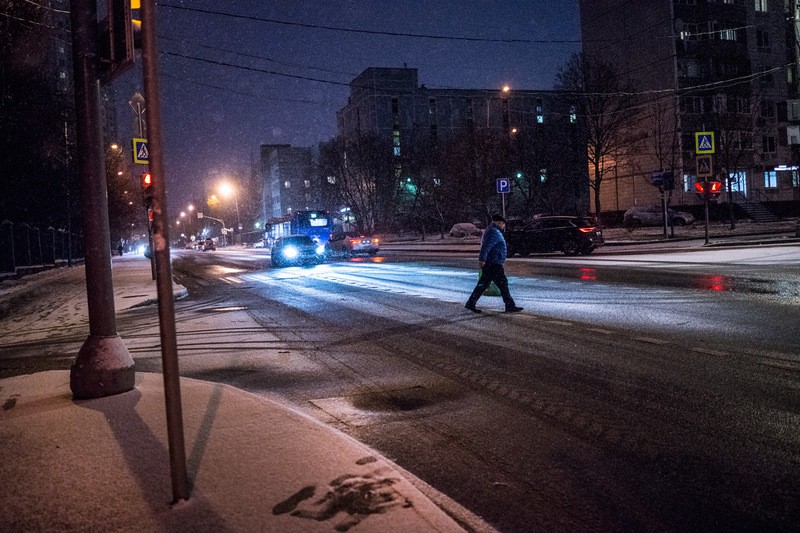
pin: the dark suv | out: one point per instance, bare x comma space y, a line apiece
571, 235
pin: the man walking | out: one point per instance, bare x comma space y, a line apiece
491, 259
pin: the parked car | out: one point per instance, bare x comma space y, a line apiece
208, 244
465, 229
296, 250
571, 235
653, 215
344, 245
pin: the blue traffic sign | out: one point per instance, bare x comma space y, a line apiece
704, 142
503, 185
141, 154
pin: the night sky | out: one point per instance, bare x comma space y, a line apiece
215, 117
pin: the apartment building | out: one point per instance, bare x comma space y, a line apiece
722, 66
540, 126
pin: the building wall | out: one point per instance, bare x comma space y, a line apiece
390, 103
289, 176
698, 55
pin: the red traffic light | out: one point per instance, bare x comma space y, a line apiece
714, 187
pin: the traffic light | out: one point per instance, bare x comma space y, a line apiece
710, 188
147, 189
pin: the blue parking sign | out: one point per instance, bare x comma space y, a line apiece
503, 185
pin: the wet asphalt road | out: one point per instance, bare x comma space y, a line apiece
626, 396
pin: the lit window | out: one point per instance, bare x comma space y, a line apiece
287, 184
727, 35
539, 112
542, 175
770, 179
331, 179
306, 184
761, 5
573, 115
688, 182
769, 144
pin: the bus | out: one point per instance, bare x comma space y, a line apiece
317, 224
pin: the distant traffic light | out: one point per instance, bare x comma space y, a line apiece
147, 189
710, 188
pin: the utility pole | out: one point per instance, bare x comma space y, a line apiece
166, 306
103, 366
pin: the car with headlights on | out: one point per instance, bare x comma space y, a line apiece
344, 245
296, 250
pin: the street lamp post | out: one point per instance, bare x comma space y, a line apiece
227, 190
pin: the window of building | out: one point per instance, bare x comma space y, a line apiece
768, 144
437, 182
287, 184
332, 179
691, 68
738, 105
688, 182
573, 114
691, 104
690, 32
434, 132
770, 179
742, 140
728, 35
761, 5
432, 107
737, 182
762, 40
542, 175
765, 77
395, 106
685, 2
795, 179
539, 112
307, 184
62, 75
767, 108
396, 143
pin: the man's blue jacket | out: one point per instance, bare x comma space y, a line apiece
493, 246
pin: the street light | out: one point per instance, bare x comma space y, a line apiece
227, 190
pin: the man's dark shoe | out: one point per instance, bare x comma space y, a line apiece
514, 309
472, 308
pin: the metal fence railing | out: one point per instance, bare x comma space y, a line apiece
25, 249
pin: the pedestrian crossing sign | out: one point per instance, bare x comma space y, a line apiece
705, 166
704, 142
141, 154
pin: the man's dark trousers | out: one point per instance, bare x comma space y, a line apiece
496, 273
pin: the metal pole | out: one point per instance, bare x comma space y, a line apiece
166, 309
103, 366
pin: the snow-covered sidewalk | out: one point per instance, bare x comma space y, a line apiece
253, 464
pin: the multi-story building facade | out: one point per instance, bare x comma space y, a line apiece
289, 179
540, 127
722, 66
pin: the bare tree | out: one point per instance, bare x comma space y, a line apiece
607, 109
365, 177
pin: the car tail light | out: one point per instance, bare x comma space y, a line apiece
587, 230
355, 241
375, 241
